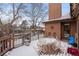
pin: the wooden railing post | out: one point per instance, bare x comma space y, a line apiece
10, 42
7, 43
13, 40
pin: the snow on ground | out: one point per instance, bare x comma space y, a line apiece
23, 51
36, 37
32, 49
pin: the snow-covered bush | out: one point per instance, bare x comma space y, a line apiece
49, 49
51, 46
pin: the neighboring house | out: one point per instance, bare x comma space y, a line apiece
40, 29
61, 26
24, 26
17, 29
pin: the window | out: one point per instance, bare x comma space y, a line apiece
66, 29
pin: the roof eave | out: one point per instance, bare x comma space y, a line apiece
56, 20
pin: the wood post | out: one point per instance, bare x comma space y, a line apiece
78, 33
13, 40
7, 43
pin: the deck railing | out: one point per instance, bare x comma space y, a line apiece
6, 43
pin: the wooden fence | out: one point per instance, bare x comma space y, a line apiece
6, 43
11, 41
21, 39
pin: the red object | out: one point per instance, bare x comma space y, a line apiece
73, 51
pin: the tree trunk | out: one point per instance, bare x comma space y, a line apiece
38, 34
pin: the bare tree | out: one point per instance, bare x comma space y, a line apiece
16, 11
13, 13
36, 13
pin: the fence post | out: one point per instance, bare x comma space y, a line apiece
13, 40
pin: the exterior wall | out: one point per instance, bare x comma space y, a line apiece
53, 27
73, 29
77, 34
62, 31
54, 10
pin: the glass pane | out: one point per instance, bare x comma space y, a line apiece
66, 30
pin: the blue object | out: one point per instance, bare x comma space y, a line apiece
71, 39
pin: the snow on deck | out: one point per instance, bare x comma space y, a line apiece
23, 51
31, 50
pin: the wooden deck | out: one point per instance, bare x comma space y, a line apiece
6, 43
9, 42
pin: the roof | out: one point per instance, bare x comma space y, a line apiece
65, 17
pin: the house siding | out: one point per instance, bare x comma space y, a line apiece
55, 10
49, 31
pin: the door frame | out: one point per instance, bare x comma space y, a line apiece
62, 29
